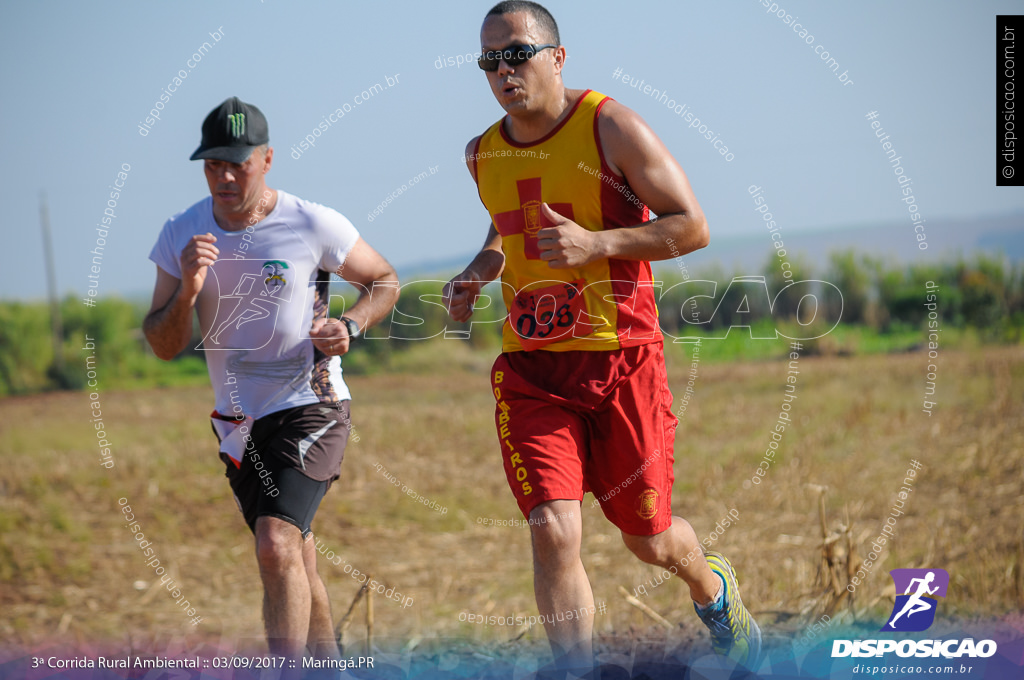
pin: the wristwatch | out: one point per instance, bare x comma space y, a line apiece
351, 326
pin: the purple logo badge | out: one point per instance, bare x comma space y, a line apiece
916, 593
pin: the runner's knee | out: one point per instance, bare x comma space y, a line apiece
656, 550
556, 536
278, 544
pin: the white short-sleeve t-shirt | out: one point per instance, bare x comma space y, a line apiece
259, 301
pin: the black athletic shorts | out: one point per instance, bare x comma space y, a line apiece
293, 458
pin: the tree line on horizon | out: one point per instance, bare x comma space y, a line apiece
984, 292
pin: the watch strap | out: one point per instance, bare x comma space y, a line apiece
351, 326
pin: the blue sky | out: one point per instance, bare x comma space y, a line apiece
79, 78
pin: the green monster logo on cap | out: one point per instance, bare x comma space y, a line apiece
237, 123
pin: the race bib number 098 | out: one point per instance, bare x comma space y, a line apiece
545, 315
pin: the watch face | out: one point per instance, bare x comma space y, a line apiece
351, 327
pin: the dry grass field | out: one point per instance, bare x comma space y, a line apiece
73, 576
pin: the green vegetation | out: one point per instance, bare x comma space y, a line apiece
882, 308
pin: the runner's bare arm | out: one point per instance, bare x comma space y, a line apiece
377, 282
168, 324
462, 291
632, 149
367, 269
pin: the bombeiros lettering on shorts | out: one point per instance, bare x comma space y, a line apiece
504, 433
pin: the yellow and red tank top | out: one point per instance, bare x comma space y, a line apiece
607, 304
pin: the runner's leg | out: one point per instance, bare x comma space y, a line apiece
678, 550
286, 591
542, 442
279, 501
320, 640
903, 611
560, 582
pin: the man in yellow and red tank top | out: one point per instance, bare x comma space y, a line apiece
582, 396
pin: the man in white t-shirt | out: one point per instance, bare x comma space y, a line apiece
255, 263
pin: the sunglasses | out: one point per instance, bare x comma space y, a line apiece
514, 55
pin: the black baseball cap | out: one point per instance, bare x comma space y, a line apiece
232, 131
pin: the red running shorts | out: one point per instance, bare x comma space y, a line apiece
572, 422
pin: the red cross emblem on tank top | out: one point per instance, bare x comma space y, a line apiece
527, 220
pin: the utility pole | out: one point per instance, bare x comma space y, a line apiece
51, 286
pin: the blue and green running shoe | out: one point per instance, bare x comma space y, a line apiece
734, 633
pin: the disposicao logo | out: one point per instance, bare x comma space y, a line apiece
914, 611
915, 608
